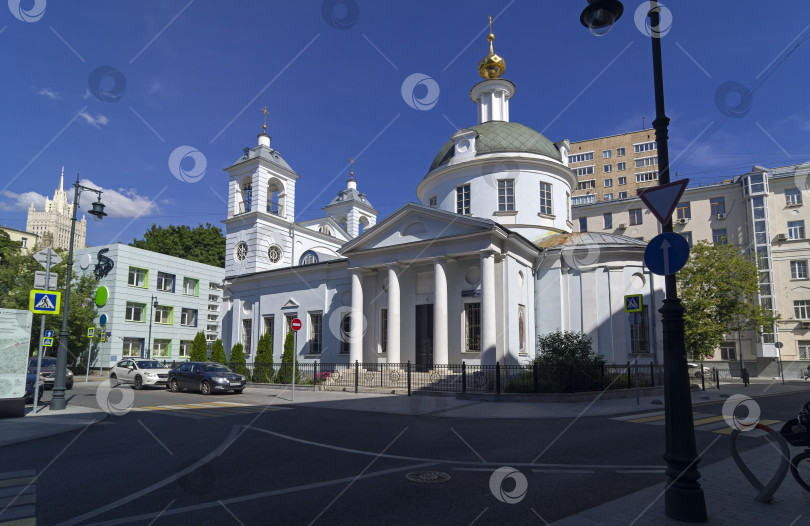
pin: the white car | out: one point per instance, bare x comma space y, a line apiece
694, 370
140, 372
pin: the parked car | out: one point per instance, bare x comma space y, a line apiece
205, 377
30, 380
694, 370
48, 371
140, 372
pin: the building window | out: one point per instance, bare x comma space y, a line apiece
164, 314
506, 195
324, 229
605, 154
23, 242
188, 317
684, 210
584, 199
463, 199
241, 250
717, 205
315, 324
161, 348
804, 350
268, 325
308, 258
247, 196
165, 282
608, 183
719, 236
580, 157
585, 170
586, 185
646, 177
608, 219
607, 168
132, 347
383, 330
798, 269
345, 333
688, 237
639, 331
274, 253
796, 229
545, 199
472, 327
433, 201
619, 152
185, 348
609, 197
646, 161
622, 195
622, 181
621, 167
138, 277
247, 333
583, 224
191, 287
793, 197
135, 311
645, 147
801, 309
728, 351
635, 216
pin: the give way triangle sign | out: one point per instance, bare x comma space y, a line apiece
662, 200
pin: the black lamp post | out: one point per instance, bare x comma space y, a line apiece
151, 317
58, 401
683, 497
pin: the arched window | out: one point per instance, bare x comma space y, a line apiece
245, 195
324, 229
308, 258
363, 224
275, 197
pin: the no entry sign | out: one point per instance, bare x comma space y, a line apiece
295, 324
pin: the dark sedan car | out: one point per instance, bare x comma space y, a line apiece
30, 381
205, 377
48, 372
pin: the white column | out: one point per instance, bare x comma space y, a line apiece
488, 325
356, 326
440, 353
394, 355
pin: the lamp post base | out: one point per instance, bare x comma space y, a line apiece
685, 504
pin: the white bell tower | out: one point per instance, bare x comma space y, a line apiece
351, 208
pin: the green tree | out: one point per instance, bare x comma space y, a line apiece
566, 363
238, 364
718, 288
264, 355
285, 371
203, 244
199, 348
218, 352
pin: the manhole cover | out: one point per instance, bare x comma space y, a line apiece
428, 477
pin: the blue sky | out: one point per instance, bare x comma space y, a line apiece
180, 73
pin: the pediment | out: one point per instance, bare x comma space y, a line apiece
290, 304
802, 290
414, 223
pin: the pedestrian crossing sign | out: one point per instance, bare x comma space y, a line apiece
632, 303
91, 332
47, 342
44, 302
103, 337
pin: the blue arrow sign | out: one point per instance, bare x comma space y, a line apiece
666, 253
102, 320
49, 334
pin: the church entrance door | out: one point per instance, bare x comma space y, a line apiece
424, 337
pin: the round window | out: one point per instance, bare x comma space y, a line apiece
274, 253
241, 251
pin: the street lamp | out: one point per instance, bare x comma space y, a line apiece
58, 401
152, 308
683, 496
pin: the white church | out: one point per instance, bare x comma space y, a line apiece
475, 272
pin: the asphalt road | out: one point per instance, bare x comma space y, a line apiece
267, 462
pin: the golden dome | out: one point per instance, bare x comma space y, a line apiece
491, 66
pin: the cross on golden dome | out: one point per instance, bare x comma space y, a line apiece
491, 66
266, 113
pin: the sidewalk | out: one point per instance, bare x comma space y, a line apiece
45, 423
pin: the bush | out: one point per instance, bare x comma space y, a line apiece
264, 355
218, 352
199, 348
567, 363
238, 360
285, 372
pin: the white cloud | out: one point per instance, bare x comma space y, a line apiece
87, 94
97, 122
48, 92
13, 201
123, 202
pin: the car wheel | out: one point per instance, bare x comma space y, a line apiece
113, 376
205, 388
69, 386
138, 384
238, 391
174, 387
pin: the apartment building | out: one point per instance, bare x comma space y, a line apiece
180, 297
764, 213
614, 167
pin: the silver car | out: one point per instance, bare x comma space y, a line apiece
140, 372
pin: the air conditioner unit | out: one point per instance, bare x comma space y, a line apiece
781, 237
622, 226
721, 216
806, 325
683, 221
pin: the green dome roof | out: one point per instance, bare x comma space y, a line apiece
501, 136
